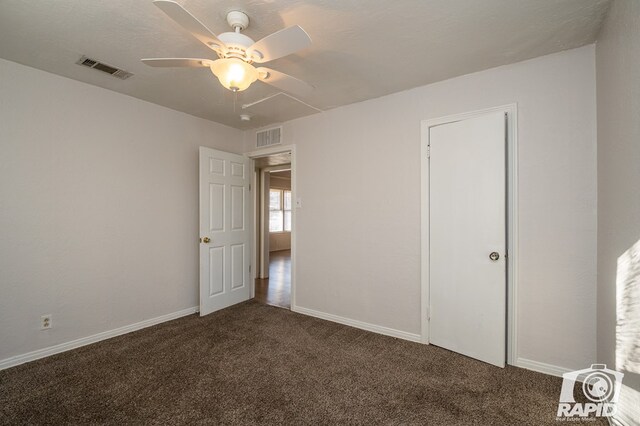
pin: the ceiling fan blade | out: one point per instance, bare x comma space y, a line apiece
279, 44
178, 62
284, 82
190, 23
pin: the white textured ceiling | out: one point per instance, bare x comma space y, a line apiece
361, 49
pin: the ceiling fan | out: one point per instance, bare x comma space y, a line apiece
237, 52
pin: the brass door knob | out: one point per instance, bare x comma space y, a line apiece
205, 240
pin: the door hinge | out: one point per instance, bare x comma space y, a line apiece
249, 187
428, 151
249, 268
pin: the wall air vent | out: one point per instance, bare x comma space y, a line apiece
269, 137
97, 65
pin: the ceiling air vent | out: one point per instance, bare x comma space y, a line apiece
97, 65
269, 137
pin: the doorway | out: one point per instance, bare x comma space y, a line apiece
469, 233
274, 228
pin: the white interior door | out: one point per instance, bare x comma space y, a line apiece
225, 237
467, 223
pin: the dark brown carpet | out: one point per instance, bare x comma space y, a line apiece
257, 364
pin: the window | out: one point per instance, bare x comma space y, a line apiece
279, 210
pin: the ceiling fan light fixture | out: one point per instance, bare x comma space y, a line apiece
234, 74
256, 55
237, 51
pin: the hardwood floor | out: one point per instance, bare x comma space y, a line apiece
276, 290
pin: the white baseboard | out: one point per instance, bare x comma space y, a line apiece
628, 407
63, 347
541, 367
624, 419
358, 324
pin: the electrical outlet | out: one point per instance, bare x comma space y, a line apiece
45, 322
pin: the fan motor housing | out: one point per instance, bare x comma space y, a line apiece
237, 45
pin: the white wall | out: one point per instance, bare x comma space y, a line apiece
618, 80
98, 208
358, 173
279, 241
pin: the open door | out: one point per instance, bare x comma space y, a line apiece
225, 229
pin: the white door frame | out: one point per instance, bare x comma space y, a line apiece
265, 152
512, 220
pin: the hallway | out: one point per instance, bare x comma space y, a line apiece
276, 290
